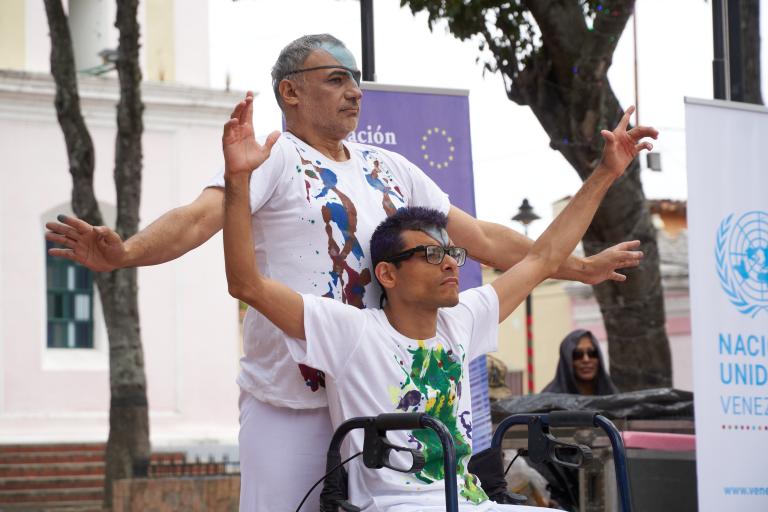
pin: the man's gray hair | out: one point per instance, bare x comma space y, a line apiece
293, 56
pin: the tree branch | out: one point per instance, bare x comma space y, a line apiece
563, 31
608, 27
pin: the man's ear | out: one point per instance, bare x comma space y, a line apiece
288, 92
386, 273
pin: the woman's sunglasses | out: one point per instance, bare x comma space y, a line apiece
591, 353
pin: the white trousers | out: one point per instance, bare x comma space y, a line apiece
282, 454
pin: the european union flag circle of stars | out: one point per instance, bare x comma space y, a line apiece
437, 148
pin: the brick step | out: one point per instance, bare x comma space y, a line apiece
51, 458
50, 496
58, 447
74, 506
50, 470
77, 457
66, 482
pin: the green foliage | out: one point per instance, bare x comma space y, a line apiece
507, 31
504, 27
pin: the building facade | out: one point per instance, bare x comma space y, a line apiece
54, 371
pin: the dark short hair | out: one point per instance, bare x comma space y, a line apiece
387, 239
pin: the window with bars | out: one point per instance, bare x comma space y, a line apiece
70, 303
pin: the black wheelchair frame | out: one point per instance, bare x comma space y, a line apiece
376, 450
542, 446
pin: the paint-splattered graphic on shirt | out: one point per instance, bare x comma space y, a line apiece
380, 178
432, 384
337, 210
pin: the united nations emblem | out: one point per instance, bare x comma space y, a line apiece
741, 256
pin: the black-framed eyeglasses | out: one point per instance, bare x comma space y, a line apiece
356, 74
591, 353
434, 254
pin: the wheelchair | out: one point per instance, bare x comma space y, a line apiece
542, 447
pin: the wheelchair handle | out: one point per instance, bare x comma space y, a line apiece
579, 419
416, 420
408, 421
576, 419
399, 421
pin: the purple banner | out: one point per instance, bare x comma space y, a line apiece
430, 127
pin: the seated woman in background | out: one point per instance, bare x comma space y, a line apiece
581, 370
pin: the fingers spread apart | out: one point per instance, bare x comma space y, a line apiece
68, 254
61, 240
618, 277
639, 132
625, 118
79, 225
62, 229
633, 261
627, 246
643, 145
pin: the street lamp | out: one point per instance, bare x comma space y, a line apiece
525, 216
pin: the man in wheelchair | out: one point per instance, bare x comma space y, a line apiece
413, 354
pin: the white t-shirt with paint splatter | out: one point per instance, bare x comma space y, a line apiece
371, 369
312, 221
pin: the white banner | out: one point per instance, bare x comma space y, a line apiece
727, 151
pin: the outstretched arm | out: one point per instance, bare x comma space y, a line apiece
558, 241
502, 247
172, 235
242, 154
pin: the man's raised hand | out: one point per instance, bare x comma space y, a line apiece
622, 145
242, 154
603, 266
96, 247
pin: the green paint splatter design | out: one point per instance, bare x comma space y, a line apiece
436, 374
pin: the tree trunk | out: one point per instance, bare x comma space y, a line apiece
128, 443
565, 83
633, 311
128, 447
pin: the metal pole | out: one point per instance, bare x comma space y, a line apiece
721, 73
366, 35
735, 58
637, 89
529, 340
529, 334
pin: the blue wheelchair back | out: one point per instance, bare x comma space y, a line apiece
542, 447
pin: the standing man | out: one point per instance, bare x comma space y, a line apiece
315, 204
